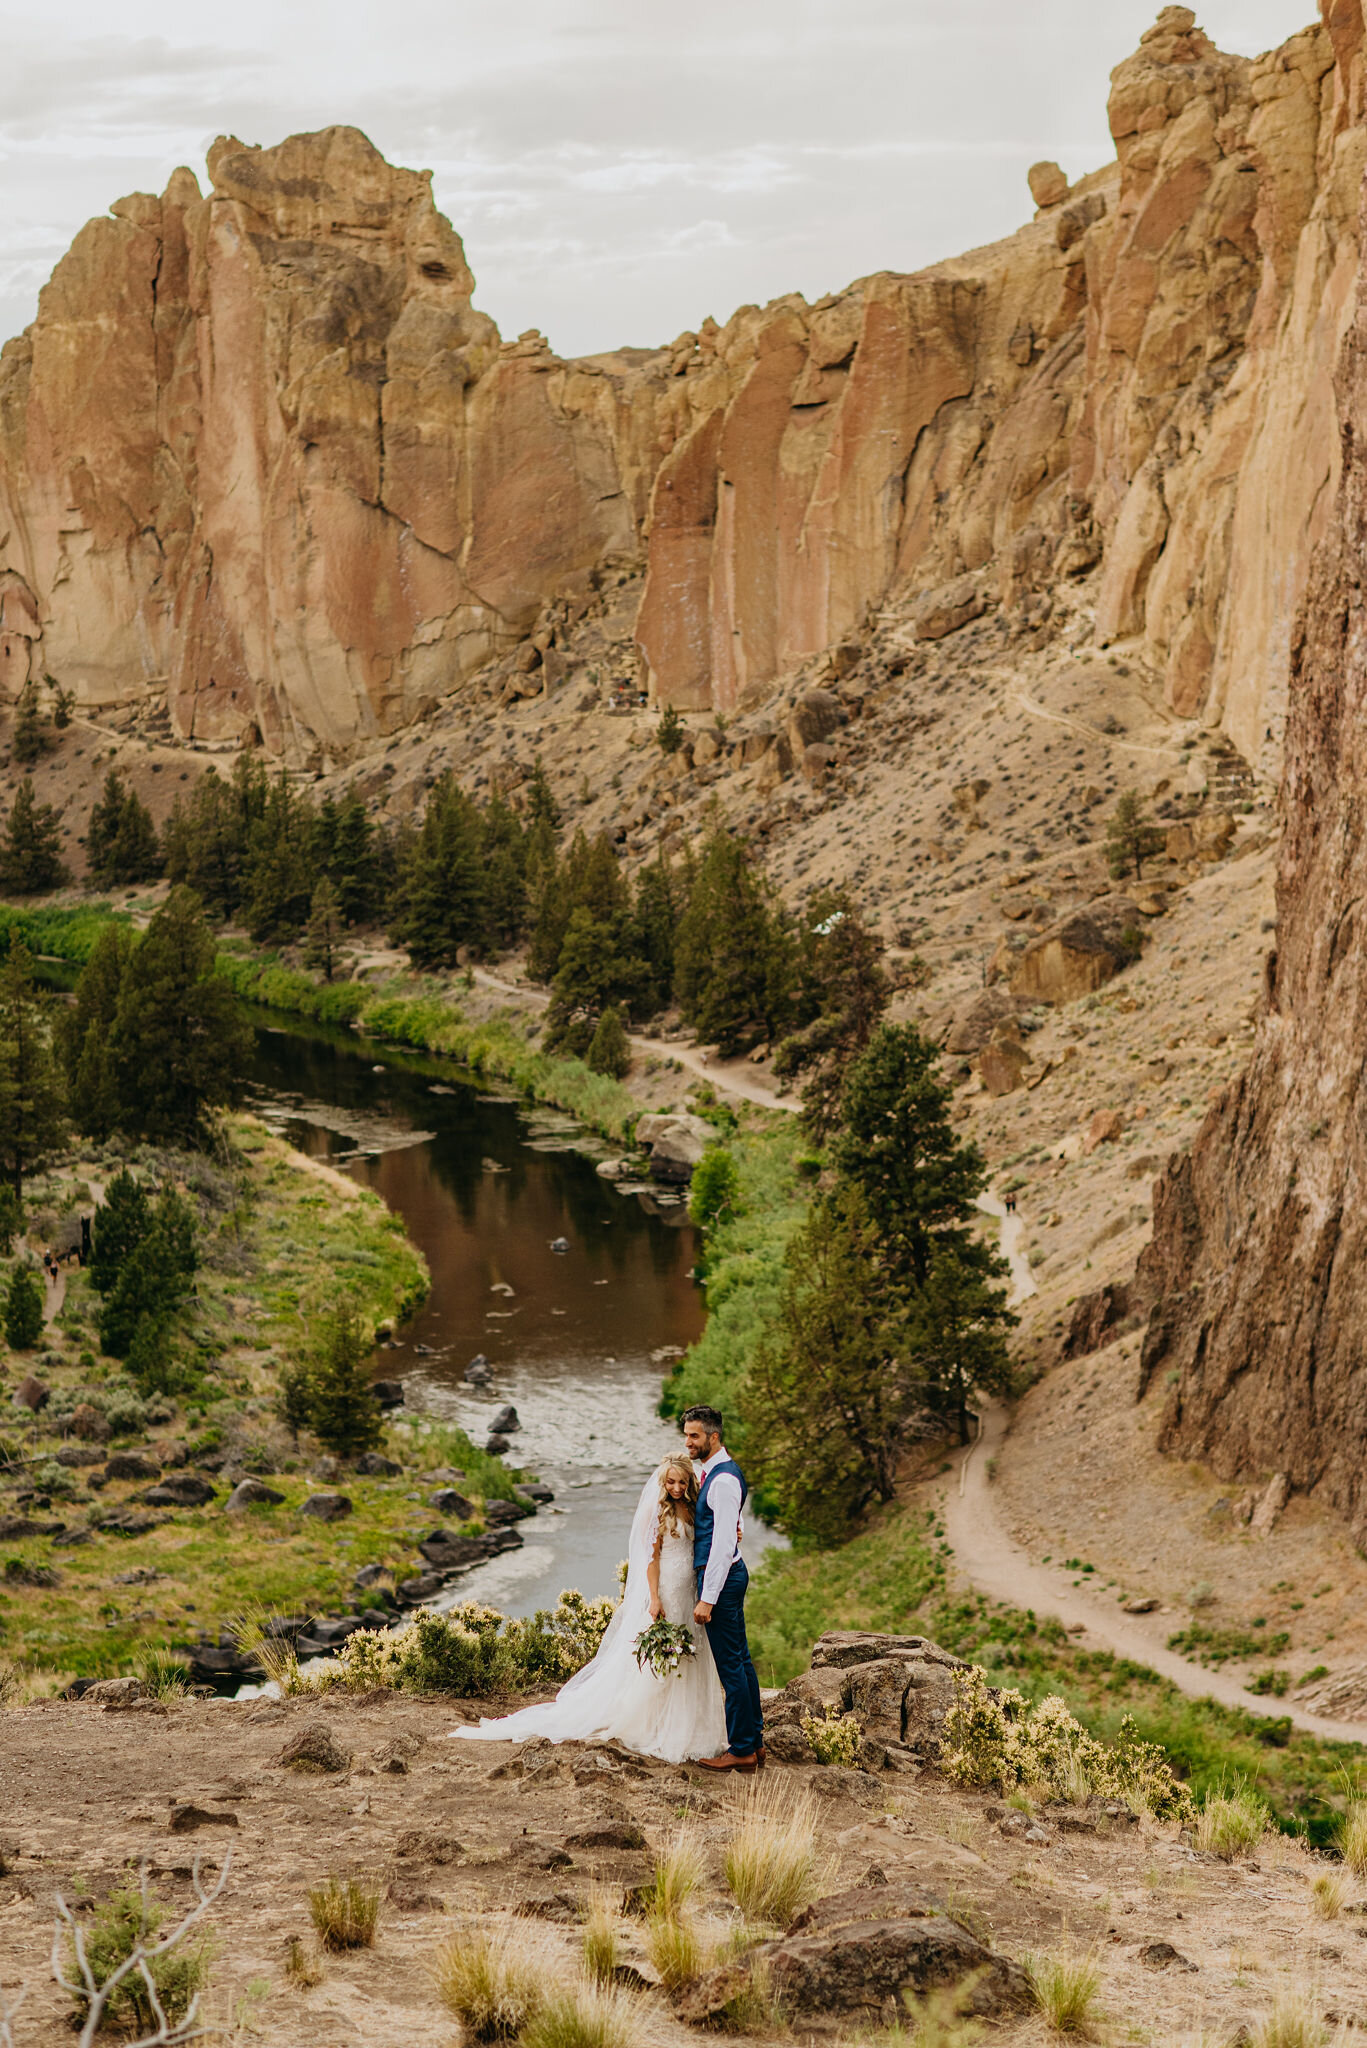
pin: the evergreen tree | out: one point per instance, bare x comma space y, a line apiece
86, 1036
956, 1337
152, 1281
342, 1410
207, 841
714, 1194
827, 1400
323, 933
733, 952
121, 840
505, 857
1130, 837
63, 705
278, 881
542, 808
669, 732
23, 1308
898, 1146
659, 900
841, 993
609, 1049
11, 1220
31, 849
443, 885
31, 738
180, 1045
593, 973
549, 906
351, 852
32, 1123
122, 1221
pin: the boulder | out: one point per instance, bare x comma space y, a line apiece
113, 1692
131, 1465
496, 1446
478, 1372
1105, 1127
944, 610
676, 1144
251, 1493
1048, 185
611, 1833
314, 1748
413, 1592
448, 1502
1205, 838
31, 1393
188, 1819
816, 715
89, 1423
1079, 953
327, 1507
389, 1393
505, 1422
77, 1456
533, 1490
1001, 1066
372, 1465
858, 1955
975, 1023
180, 1490
499, 1513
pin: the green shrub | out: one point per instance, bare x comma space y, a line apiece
23, 1308
835, 1738
473, 1651
126, 1918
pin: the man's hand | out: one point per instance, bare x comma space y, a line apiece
703, 1611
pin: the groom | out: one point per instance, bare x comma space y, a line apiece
722, 1580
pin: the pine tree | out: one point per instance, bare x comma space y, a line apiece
342, 1410
733, 953
659, 900
85, 1036
831, 1353
898, 1146
956, 1337
31, 738
32, 1122
278, 882
443, 886
152, 1281
122, 1221
323, 933
30, 852
11, 1220
841, 993
609, 1049
121, 840
594, 972
542, 808
23, 1308
351, 852
1130, 837
669, 733
63, 705
180, 1046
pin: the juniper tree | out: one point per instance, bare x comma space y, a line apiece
733, 951
86, 1036
31, 848
840, 995
342, 1410
323, 933
180, 1045
1131, 838
23, 1308
122, 1220
32, 1111
955, 1337
31, 738
609, 1049
121, 840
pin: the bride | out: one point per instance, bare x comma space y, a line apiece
674, 1718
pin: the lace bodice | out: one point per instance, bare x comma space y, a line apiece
677, 1590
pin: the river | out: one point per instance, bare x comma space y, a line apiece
485, 1185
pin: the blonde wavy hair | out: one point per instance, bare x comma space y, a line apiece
678, 1510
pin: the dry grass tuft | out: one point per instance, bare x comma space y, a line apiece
771, 1857
1352, 1836
1066, 1991
1292, 2022
677, 1875
302, 1967
1231, 1824
675, 1949
600, 1942
586, 2016
1327, 1895
345, 1912
492, 1982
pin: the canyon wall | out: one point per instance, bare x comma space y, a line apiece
1260, 1242
261, 460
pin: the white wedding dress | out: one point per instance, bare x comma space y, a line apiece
674, 1718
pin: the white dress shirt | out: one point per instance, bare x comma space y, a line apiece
723, 1498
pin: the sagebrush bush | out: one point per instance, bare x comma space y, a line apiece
996, 1737
474, 1650
345, 1912
834, 1739
125, 1919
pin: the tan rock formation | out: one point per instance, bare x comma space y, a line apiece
260, 458
1261, 1232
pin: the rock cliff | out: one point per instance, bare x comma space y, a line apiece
261, 460
1260, 1234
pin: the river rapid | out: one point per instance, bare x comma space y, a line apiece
578, 1340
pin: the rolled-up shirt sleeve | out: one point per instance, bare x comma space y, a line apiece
723, 1497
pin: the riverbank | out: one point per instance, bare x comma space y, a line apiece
100, 1562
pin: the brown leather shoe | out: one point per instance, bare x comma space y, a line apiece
727, 1762
761, 1756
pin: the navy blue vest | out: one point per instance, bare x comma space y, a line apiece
702, 1513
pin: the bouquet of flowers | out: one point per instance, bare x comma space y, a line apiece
663, 1646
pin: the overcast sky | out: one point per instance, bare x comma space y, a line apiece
618, 168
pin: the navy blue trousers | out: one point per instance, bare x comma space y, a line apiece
731, 1655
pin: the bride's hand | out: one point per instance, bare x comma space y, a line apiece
656, 1610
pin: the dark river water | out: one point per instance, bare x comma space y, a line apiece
485, 1185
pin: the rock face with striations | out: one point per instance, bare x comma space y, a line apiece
261, 460
1260, 1234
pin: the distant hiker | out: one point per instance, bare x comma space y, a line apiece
1009, 1204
